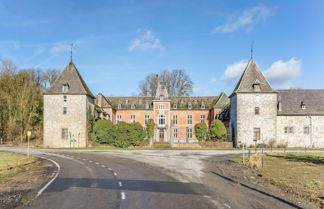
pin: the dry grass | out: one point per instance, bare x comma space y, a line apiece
298, 173
12, 165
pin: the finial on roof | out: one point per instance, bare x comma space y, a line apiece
252, 50
71, 51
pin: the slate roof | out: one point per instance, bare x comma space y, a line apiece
72, 77
251, 76
181, 102
291, 101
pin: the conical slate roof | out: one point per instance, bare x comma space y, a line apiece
251, 76
72, 77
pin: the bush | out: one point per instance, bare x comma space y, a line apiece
217, 131
201, 131
104, 132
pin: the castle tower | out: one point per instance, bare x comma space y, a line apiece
162, 117
253, 108
67, 104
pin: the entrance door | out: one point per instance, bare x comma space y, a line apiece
161, 135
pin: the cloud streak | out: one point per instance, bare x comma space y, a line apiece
145, 40
246, 19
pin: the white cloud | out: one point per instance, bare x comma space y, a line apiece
247, 18
281, 73
145, 40
234, 70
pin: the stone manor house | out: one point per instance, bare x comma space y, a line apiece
254, 113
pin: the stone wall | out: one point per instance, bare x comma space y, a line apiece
247, 120
315, 137
74, 120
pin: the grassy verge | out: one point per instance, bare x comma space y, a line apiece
299, 173
11, 164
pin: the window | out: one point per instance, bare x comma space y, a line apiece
257, 111
202, 106
132, 118
161, 119
147, 106
161, 97
64, 110
175, 119
133, 106
306, 129
175, 133
189, 133
189, 119
108, 116
146, 118
303, 105
174, 106
289, 130
189, 106
64, 98
119, 106
119, 118
65, 133
161, 106
202, 118
65, 88
256, 134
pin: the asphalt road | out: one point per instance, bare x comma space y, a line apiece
107, 179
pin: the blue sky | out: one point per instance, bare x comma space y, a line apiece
118, 43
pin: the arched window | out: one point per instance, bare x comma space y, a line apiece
161, 119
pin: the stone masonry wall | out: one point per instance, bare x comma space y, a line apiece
74, 120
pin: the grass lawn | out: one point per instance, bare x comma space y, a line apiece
298, 173
11, 165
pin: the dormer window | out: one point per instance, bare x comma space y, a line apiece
133, 106
147, 106
126, 101
65, 88
256, 85
202, 106
119, 106
189, 106
175, 106
303, 105
161, 97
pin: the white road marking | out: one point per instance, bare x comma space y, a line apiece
120, 184
110, 169
56, 175
96, 163
90, 161
83, 159
123, 195
79, 158
115, 174
103, 166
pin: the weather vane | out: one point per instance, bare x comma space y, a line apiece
71, 51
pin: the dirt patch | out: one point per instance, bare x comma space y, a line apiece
20, 177
297, 182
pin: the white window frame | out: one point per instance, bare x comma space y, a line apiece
174, 106
189, 133
162, 119
175, 133
119, 118
175, 119
202, 118
146, 118
119, 106
202, 106
161, 106
132, 118
65, 88
189, 106
189, 117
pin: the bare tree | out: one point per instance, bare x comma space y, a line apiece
51, 75
177, 82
